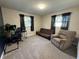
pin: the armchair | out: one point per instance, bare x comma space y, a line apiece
64, 39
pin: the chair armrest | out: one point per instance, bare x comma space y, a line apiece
54, 36
62, 40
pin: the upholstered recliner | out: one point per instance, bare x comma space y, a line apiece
64, 39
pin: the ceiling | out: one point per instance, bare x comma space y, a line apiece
30, 6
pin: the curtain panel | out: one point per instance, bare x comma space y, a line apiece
53, 23
22, 25
32, 23
65, 21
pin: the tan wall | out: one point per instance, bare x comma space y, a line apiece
74, 21
12, 17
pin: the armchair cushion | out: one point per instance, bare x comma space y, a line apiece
59, 40
62, 36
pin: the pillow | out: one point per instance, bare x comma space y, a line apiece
62, 36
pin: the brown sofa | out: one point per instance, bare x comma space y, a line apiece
46, 33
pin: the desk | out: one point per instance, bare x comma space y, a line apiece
11, 39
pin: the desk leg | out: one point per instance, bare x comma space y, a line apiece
17, 44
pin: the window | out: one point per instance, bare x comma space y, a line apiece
27, 21
58, 21
61, 21
65, 21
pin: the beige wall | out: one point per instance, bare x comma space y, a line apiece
74, 21
12, 17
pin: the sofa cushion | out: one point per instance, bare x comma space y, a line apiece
43, 34
46, 31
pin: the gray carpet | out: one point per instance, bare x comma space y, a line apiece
37, 47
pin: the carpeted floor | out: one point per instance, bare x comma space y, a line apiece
71, 51
37, 47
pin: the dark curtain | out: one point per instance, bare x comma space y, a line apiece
32, 23
1, 24
22, 25
65, 21
2, 39
53, 23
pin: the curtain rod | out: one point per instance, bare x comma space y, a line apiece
25, 15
